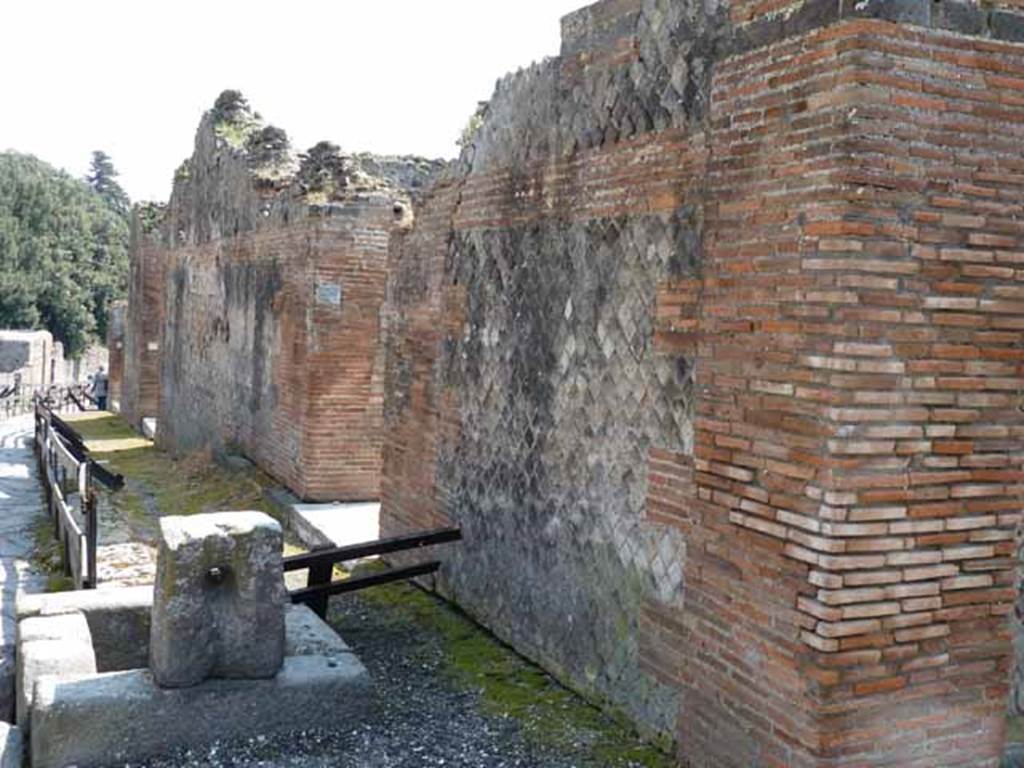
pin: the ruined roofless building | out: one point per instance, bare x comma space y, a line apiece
254, 321
140, 331
712, 348
31, 358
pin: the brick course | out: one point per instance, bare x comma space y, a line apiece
898, 437
256, 362
844, 195
143, 325
254, 319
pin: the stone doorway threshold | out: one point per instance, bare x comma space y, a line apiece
334, 524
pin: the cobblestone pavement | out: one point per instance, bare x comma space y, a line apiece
21, 509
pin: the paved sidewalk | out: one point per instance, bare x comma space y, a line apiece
21, 508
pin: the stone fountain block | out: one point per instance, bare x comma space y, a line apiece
110, 718
230, 658
119, 621
50, 645
11, 747
218, 601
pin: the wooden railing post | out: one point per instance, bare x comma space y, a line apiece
51, 483
93, 528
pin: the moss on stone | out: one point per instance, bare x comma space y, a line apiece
235, 135
183, 171
159, 484
151, 216
1015, 729
46, 558
549, 714
233, 119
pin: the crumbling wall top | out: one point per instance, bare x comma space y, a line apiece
245, 175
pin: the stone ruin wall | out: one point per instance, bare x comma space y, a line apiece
31, 356
533, 380
38, 361
141, 335
254, 359
115, 348
710, 346
95, 357
270, 307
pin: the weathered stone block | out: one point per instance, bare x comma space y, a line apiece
119, 621
957, 16
50, 645
124, 716
218, 603
88, 601
8, 641
917, 12
307, 634
1008, 26
11, 746
7, 671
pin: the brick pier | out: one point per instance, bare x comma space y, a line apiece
841, 485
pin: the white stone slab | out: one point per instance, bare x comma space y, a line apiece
22, 510
336, 525
50, 645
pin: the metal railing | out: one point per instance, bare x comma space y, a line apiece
18, 399
69, 478
15, 400
67, 474
320, 584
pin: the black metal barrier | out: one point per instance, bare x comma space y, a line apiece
320, 562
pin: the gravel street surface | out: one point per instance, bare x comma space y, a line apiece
422, 717
446, 692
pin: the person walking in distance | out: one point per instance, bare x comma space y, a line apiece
99, 388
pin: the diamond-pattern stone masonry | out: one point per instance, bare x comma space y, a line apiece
710, 348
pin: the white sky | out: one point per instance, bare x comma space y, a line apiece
133, 77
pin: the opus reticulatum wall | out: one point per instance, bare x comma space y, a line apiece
710, 344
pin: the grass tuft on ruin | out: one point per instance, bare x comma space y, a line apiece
159, 484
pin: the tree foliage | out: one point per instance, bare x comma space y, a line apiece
63, 251
102, 178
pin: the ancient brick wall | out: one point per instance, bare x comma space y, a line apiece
266, 356
803, 555
143, 322
276, 273
526, 390
115, 347
873, 431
